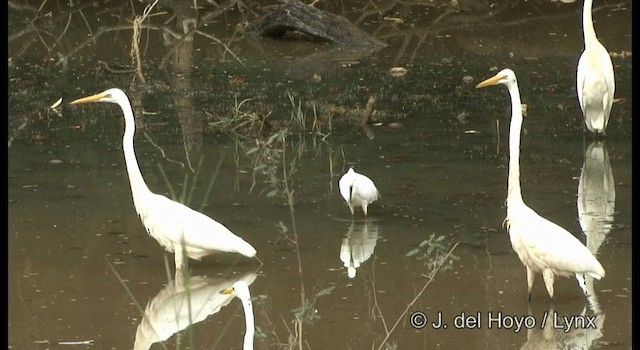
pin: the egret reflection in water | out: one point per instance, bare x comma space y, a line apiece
583, 335
554, 334
358, 245
181, 304
596, 195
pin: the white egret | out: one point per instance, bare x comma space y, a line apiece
358, 246
596, 195
584, 333
175, 226
241, 290
182, 304
542, 246
595, 80
357, 190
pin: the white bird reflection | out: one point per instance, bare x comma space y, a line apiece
596, 195
586, 329
181, 304
359, 244
554, 336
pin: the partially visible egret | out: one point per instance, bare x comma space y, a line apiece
175, 226
595, 80
241, 290
550, 336
542, 246
357, 190
596, 195
184, 303
358, 246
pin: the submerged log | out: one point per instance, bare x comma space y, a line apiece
296, 17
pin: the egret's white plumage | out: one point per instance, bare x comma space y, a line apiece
174, 225
357, 190
358, 246
542, 246
183, 303
595, 79
241, 290
596, 195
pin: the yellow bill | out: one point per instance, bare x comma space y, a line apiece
88, 99
494, 80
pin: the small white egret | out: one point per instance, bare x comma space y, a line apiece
174, 225
358, 246
357, 190
241, 290
542, 246
595, 79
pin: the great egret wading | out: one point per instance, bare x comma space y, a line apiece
542, 246
174, 225
595, 79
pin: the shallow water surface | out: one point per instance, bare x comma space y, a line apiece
83, 270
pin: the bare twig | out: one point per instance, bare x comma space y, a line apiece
375, 298
66, 27
430, 278
85, 21
135, 40
103, 30
221, 43
164, 155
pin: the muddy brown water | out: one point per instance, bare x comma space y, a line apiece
83, 269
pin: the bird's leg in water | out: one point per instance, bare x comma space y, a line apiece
179, 257
549, 279
531, 276
179, 278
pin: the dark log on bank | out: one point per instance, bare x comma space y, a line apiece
296, 17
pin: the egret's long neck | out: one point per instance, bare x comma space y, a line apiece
514, 192
138, 186
249, 333
587, 24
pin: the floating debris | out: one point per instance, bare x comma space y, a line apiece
56, 104
462, 117
79, 342
621, 54
398, 71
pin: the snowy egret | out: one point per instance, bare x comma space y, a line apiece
595, 80
175, 226
241, 290
357, 190
542, 246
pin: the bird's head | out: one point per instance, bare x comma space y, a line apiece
504, 77
114, 95
240, 289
